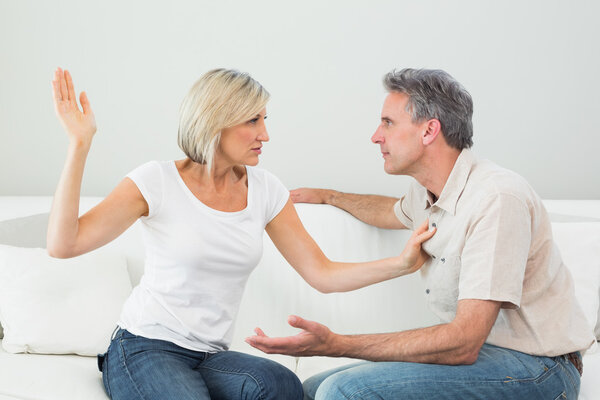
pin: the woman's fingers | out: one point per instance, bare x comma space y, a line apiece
56, 92
422, 233
425, 236
85, 103
70, 87
422, 228
64, 92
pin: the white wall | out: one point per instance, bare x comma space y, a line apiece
532, 68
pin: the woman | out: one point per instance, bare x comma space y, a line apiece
203, 218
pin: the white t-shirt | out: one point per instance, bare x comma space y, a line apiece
198, 259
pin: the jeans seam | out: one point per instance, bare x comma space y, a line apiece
569, 377
466, 381
135, 385
105, 372
256, 380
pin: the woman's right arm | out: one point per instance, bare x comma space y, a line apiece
68, 235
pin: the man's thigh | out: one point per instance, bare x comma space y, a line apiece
498, 373
233, 375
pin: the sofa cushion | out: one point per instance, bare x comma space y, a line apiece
49, 377
55, 306
578, 243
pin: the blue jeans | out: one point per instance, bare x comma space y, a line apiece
135, 367
499, 373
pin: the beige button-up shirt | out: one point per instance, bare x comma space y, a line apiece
494, 242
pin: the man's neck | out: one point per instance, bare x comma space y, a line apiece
435, 170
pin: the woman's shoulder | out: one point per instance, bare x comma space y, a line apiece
261, 174
151, 170
154, 165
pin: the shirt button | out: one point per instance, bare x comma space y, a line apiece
427, 291
443, 260
434, 225
432, 256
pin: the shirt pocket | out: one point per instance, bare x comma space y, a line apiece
442, 287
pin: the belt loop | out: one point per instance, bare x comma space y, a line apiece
575, 359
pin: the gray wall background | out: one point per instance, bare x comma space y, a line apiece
532, 68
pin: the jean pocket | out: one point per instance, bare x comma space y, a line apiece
561, 396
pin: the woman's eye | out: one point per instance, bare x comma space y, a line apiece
253, 121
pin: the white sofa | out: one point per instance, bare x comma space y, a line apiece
275, 291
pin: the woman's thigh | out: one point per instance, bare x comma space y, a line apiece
230, 375
139, 368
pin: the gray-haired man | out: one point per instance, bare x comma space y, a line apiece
494, 276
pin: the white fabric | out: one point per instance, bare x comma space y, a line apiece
579, 245
197, 258
55, 306
49, 377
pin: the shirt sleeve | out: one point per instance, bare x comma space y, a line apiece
148, 179
404, 210
496, 249
278, 196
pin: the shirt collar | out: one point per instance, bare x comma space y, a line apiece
455, 184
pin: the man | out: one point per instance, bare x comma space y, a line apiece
512, 328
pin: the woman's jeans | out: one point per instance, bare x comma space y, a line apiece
499, 373
135, 367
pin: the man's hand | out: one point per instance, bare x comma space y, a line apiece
369, 208
314, 340
313, 196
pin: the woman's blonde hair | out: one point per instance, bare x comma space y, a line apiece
220, 99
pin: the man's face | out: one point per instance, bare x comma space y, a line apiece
400, 139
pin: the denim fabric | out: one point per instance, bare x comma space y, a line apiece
499, 373
135, 367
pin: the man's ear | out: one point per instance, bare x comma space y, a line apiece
433, 128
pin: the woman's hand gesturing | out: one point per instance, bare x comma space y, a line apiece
79, 125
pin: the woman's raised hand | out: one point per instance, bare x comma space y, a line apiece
79, 125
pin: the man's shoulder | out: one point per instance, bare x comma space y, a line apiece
488, 179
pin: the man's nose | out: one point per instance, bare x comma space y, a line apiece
377, 137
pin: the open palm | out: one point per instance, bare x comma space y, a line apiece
80, 125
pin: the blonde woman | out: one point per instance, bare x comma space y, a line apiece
203, 219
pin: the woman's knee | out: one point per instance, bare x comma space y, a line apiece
279, 382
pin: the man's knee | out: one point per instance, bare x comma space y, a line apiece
336, 386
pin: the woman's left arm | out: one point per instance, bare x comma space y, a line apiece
305, 256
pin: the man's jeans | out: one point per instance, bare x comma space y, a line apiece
139, 368
499, 373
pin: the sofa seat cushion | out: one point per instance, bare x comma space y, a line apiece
590, 390
49, 377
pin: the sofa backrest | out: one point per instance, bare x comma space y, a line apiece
275, 290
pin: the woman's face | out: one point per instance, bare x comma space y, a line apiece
242, 144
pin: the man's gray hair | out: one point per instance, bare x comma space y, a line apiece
433, 93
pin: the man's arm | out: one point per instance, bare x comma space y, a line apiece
457, 342
371, 209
